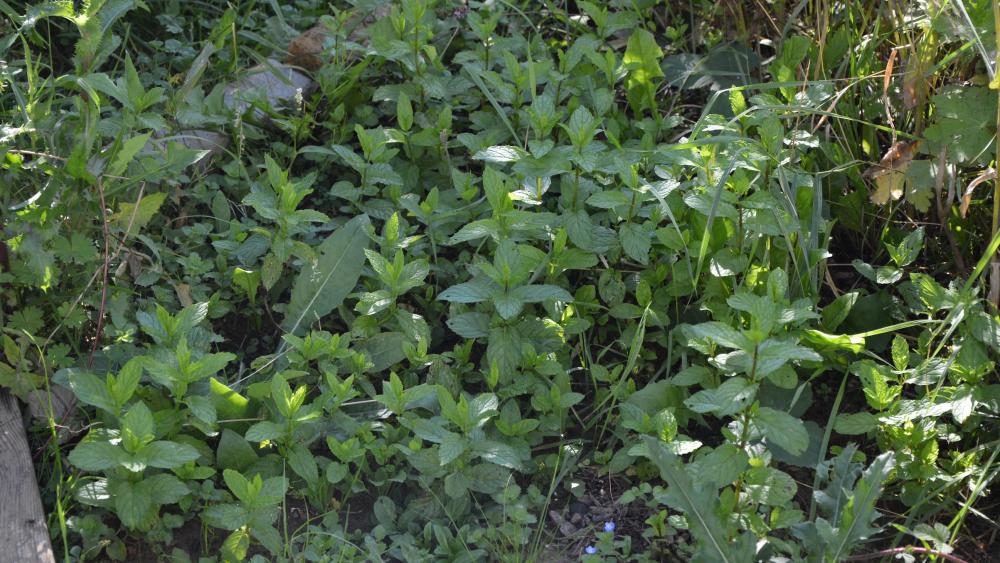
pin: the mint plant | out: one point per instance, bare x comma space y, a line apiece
504, 281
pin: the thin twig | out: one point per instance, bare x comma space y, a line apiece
93, 278
104, 274
943, 210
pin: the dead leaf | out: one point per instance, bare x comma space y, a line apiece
888, 185
987, 175
898, 157
915, 85
890, 173
887, 75
183, 291
134, 264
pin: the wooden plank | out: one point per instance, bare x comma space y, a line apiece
23, 533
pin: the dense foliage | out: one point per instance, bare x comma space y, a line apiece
505, 280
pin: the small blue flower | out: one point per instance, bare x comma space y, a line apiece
609, 527
590, 550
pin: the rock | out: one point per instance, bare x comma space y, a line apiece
211, 142
63, 401
202, 140
63, 409
566, 527
305, 50
272, 83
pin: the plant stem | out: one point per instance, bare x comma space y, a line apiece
909, 549
994, 294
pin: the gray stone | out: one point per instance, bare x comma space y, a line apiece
273, 83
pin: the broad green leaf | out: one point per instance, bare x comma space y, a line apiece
855, 524
92, 390
228, 403
725, 400
132, 504
225, 516
452, 446
963, 402
504, 348
248, 281
767, 485
303, 463
773, 353
542, 292
236, 545
608, 199
234, 452
507, 304
852, 424
239, 485
500, 154
322, 285
264, 430
384, 350
636, 242
468, 292
129, 149
642, 59
498, 453
782, 429
132, 217
836, 312
202, 408
699, 504
834, 342
163, 488
167, 455
721, 334
961, 125
96, 456
470, 325
137, 427
404, 112
721, 467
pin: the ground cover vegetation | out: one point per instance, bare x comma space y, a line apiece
505, 280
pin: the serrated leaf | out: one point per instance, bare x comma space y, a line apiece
131, 503
164, 488
500, 154
727, 399
636, 242
385, 349
236, 545
167, 455
470, 325
132, 217
856, 522
95, 456
698, 503
542, 292
234, 452
498, 453
642, 59
92, 390
853, 424
468, 292
782, 429
130, 148
303, 463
